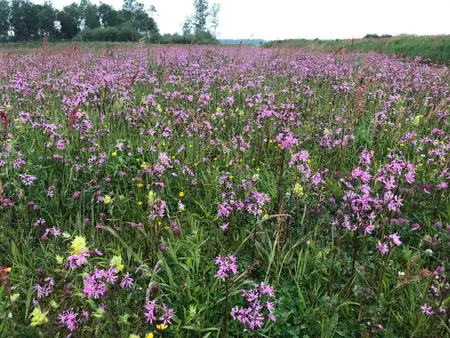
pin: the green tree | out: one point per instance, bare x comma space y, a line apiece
108, 15
188, 25
70, 21
4, 19
91, 16
201, 15
134, 14
214, 17
46, 19
24, 20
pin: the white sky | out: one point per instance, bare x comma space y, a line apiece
325, 19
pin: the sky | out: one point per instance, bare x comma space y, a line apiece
310, 19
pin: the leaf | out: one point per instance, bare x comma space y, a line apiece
29, 299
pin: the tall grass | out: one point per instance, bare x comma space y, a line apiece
436, 49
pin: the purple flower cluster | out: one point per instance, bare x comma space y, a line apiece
258, 307
227, 266
95, 284
158, 312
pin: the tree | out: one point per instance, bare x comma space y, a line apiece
135, 15
46, 19
108, 15
24, 20
201, 15
4, 19
91, 16
144, 22
188, 25
214, 14
70, 21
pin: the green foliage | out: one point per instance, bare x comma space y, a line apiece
70, 20
24, 20
108, 15
4, 19
91, 16
201, 38
201, 15
123, 33
29, 21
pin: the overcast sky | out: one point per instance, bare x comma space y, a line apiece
325, 19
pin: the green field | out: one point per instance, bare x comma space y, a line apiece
208, 192
435, 48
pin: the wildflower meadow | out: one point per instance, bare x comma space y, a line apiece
202, 192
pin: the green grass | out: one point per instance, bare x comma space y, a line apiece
436, 48
328, 281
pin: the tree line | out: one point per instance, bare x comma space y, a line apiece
23, 20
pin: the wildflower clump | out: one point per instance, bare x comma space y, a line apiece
258, 307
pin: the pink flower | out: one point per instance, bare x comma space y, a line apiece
227, 266
382, 248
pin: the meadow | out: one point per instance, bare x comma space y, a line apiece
431, 49
223, 192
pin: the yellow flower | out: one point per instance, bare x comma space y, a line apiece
161, 327
59, 259
139, 203
116, 262
140, 185
9, 269
151, 197
78, 244
150, 335
230, 177
114, 153
15, 297
107, 199
266, 216
298, 190
417, 120
181, 193
39, 317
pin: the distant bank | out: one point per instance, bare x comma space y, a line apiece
434, 49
